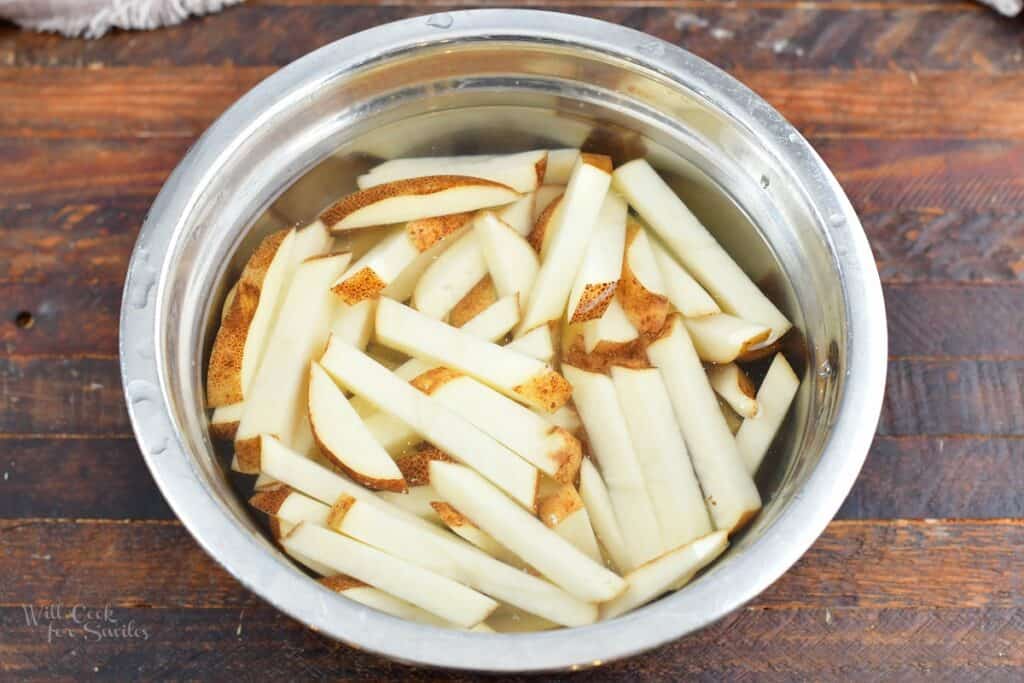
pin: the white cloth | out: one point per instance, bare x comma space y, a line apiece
93, 18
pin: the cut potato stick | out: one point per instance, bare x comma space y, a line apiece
448, 555
732, 384
389, 358
661, 450
510, 260
774, 397
552, 450
732, 418
611, 444
417, 501
407, 536
415, 464
729, 490
402, 288
598, 502
224, 422
393, 435
437, 594
542, 199
599, 274
612, 330
277, 402
565, 417
540, 236
642, 290
722, 338
510, 620
464, 528
374, 598
672, 570
230, 297
413, 199
695, 247
570, 233
560, 163
682, 290
564, 513
519, 214
392, 254
522, 172
536, 343
449, 278
524, 534
477, 300
436, 423
264, 482
247, 324
343, 438
518, 376
354, 324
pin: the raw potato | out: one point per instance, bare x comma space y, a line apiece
354, 324
277, 402
524, 534
525, 379
242, 337
536, 343
729, 490
732, 384
542, 199
552, 450
598, 502
774, 398
522, 172
477, 300
404, 285
560, 165
436, 423
417, 501
413, 199
664, 460
392, 254
390, 432
464, 528
344, 439
224, 422
564, 513
230, 297
450, 278
611, 444
722, 338
519, 214
371, 597
511, 261
437, 594
642, 290
612, 330
670, 571
682, 290
695, 247
570, 232
540, 236
599, 274
565, 417
732, 418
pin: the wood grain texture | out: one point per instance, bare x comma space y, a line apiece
259, 644
937, 564
181, 102
905, 477
783, 35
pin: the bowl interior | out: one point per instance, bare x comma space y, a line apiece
502, 95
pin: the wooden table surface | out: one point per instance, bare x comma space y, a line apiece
918, 106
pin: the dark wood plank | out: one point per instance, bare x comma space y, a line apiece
940, 564
74, 478
181, 102
850, 35
92, 241
69, 317
260, 644
43, 395
913, 477
937, 477
954, 397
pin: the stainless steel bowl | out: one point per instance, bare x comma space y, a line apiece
488, 80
